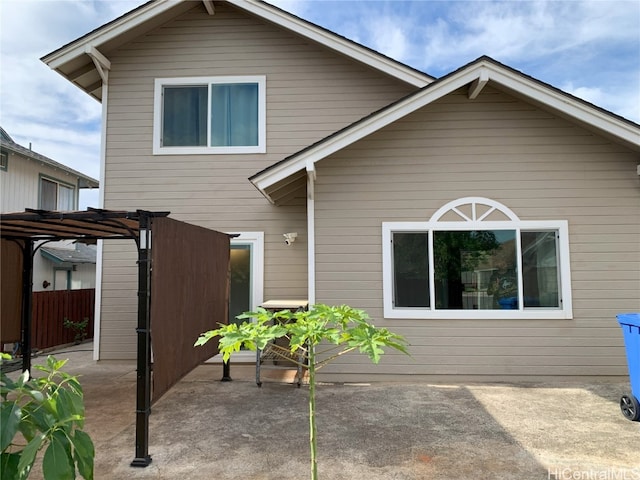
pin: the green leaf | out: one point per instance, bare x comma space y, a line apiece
64, 405
10, 415
28, 454
36, 417
9, 466
36, 395
205, 337
83, 453
56, 464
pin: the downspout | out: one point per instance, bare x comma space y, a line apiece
311, 234
103, 66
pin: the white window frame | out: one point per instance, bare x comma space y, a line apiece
160, 83
467, 223
59, 183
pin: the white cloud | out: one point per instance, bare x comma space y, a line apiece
39, 107
624, 101
520, 31
588, 44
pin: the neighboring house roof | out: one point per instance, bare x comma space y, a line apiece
8, 144
475, 76
81, 254
84, 61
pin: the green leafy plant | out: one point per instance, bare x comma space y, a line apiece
45, 413
316, 337
79, 328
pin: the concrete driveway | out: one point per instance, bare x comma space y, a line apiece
205, 429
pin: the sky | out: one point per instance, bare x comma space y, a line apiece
588, 48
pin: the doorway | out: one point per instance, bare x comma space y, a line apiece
246, 276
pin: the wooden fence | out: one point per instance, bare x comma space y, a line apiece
50, 309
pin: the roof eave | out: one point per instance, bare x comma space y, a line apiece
483, 70
107, 32
68, 60
84, 181
334, 41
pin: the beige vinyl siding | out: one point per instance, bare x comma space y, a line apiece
311, 92
540, 166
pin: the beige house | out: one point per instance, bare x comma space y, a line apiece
31, 180
492, 219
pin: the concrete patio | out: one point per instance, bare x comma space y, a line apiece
206, 429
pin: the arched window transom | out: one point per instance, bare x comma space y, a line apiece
475, 258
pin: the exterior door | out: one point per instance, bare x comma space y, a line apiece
246, 278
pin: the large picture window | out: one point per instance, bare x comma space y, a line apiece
485, 263
209, 115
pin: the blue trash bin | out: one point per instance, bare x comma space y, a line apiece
630, 324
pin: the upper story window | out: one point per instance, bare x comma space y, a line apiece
202, 115
55, 195
4, 160
476, 259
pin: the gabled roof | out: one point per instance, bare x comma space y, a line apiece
7, 143
475, 75
84, 60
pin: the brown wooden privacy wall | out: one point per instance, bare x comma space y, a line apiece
51, 308
189, 295
10, 291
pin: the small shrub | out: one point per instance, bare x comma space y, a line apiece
79, 329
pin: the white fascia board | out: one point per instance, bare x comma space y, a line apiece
108, 32
334, 42
362, 129
482, 71
561, 102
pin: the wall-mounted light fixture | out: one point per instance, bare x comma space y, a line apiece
289, 238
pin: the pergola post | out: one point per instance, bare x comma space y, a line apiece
143, 391
27, 303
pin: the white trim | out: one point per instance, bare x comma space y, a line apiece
311, 238
478, 71
478, 85
565, 311
159, 83
97, 315
109, 32
102, 63
474, 202
256, 240
208, 4
335, 42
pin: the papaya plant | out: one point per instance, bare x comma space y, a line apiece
316, 337
45, 413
